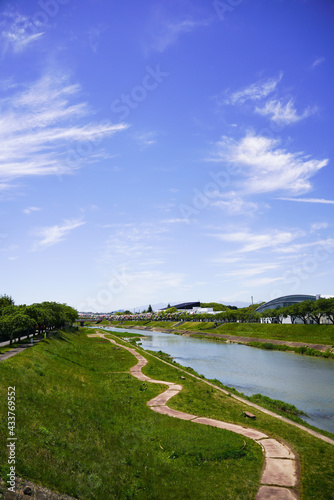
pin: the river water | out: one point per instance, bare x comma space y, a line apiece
304, 381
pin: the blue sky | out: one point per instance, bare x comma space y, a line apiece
166, 151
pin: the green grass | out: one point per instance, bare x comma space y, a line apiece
316, 457
298, 350
313, 334
161, 324
83, 428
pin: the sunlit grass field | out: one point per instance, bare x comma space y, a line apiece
83, 428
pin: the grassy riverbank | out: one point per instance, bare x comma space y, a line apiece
313, 334
83, 428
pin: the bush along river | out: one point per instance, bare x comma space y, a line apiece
303, 381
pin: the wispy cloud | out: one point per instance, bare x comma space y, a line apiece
317, 226
254, 92
17, 31
262, 281
251, 270
145, 139
41, 127
284, 113
29, 210
234, 204
175, 221
309, 200
52, 235
317, 62
252, 242
169, 33
267, 168
94, 36
297, 248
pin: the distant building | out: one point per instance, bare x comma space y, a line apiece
285, 301
193, 308
184, 305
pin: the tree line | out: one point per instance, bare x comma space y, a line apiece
19, 320
307, 311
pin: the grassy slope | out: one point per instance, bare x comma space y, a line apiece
316, 457
313, 334
83, 428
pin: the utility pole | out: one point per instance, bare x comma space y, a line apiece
252, 299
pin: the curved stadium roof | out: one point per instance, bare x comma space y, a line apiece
287, 300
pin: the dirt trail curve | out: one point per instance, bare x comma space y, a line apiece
280, 474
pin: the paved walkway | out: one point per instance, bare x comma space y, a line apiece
17, 350
280, 474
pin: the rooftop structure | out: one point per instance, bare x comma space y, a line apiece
287, 300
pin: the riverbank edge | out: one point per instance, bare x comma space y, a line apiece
315, 433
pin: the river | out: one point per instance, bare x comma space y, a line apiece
304, 381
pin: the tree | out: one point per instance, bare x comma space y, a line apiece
5, 300
326, 307
15, 325
149, 309
171, 310
315, 312
41, 316
300, 311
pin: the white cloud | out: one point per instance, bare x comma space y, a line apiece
318, 61
94, 36
319, 225
135, 244
169, 32
29, 210
255, 91
227, 260
252, 270
145, 139
284, 114
54, 234
175, 221
262, 281
309, 200
17, 31
266, 168
41, 129
252, 242
298, 247
236, 205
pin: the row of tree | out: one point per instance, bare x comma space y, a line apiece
19, 320
308, 311
314, 311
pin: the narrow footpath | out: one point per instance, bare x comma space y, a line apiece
280, 474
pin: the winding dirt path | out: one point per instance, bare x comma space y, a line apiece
280, 474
